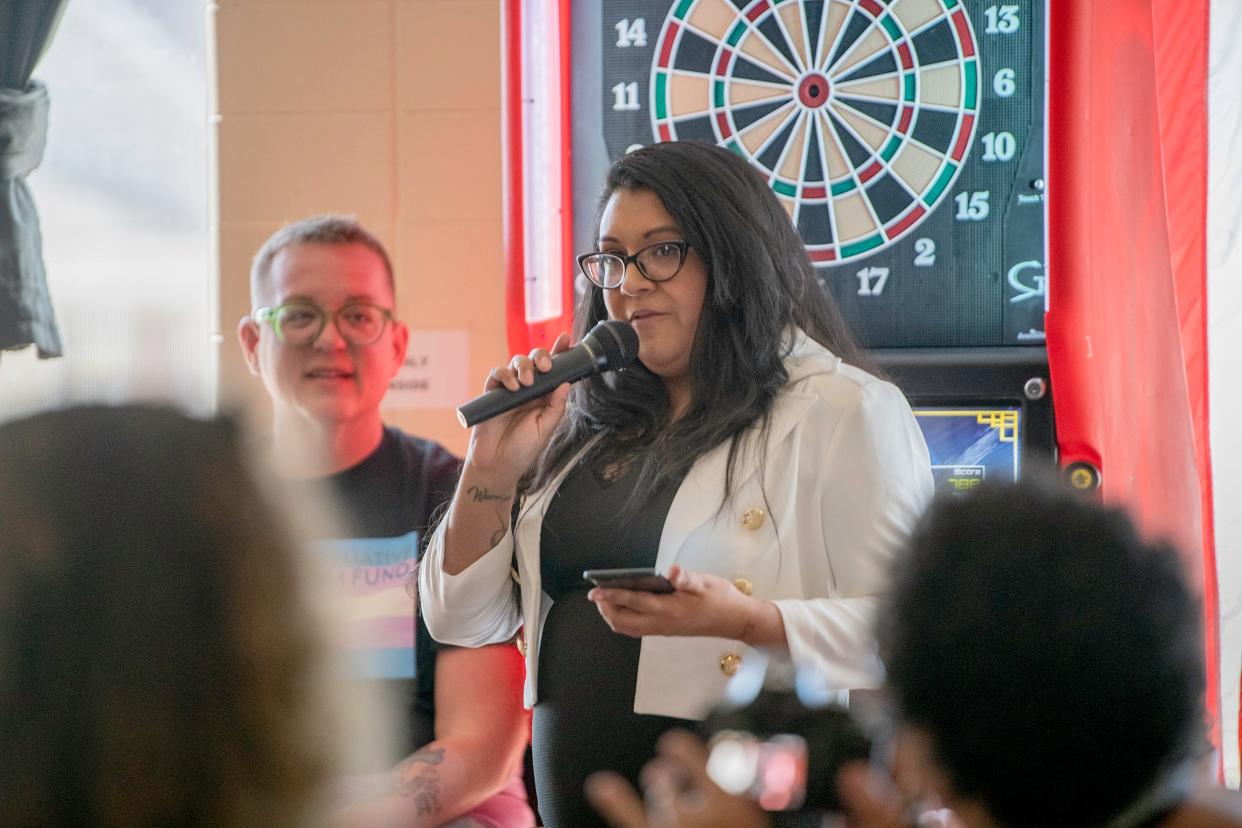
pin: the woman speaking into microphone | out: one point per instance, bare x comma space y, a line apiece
746, 455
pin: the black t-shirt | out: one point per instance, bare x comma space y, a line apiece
397, 490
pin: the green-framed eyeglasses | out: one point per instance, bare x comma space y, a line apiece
302, 323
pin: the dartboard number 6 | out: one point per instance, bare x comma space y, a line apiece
972, 206
625, 97
631, 33
1005, 83
871, 281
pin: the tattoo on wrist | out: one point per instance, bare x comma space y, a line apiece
481, 495
418, 779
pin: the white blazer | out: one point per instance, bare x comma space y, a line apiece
847, 474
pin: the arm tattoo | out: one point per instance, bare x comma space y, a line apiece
427, 757
481, 495
417, 778
498, 535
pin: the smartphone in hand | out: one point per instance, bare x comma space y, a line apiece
642, 578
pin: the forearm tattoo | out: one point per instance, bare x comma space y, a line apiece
499, 535
481, 495
418, 779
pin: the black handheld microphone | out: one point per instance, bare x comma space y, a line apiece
610, 345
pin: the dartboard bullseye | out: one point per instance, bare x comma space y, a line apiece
813, 90
860, 114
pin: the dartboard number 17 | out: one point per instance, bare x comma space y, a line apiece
904, 138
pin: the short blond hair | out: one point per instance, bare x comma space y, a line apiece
329, 228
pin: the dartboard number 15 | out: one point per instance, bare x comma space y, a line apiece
904, 138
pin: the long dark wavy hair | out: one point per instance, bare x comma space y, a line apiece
760, 285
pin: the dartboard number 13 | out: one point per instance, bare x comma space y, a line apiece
904, 139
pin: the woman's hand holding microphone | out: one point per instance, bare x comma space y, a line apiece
501, 450
507, 445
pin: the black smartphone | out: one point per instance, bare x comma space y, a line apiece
642, 578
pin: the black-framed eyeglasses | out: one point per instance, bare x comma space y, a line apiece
302, 323
658, 262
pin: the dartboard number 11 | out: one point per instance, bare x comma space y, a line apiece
904, 139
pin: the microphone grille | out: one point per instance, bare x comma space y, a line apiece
617, 340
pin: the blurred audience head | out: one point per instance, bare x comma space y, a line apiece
160, 659
1048, 657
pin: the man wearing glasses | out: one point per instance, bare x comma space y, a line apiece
323, 339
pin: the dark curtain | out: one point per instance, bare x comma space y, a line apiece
26, 317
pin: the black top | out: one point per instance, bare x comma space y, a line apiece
584, 720
397, 490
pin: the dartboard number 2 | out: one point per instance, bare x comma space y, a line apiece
871, 281
925, 252
625, 97
631, 34
972, 206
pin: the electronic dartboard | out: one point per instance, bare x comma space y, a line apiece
904, 138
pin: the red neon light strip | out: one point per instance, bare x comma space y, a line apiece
566, 321
522, 336
514, 225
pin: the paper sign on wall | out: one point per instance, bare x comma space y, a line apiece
436, 373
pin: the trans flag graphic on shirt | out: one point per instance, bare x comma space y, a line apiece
371, 574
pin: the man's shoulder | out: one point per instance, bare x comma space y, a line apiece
421, 455
415, 446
